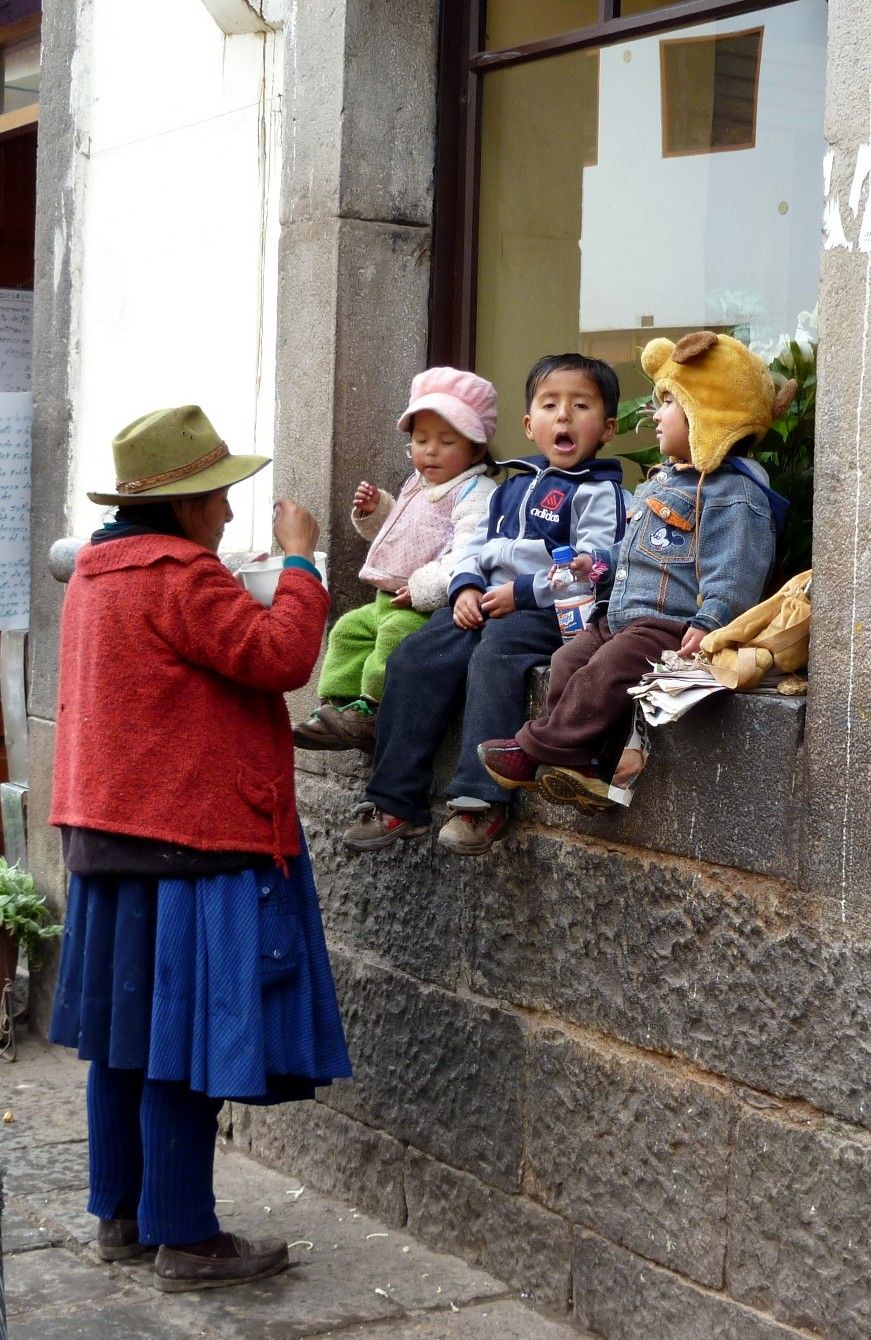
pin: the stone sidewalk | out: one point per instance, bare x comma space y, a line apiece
351, 1276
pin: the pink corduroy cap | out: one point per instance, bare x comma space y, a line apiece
467, 401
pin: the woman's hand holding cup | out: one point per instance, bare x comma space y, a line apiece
295, 529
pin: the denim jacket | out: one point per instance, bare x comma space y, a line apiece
702, 566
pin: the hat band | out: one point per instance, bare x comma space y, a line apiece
180, 472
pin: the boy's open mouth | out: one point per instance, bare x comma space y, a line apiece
563, 442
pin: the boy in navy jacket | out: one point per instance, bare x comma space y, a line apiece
697, 553
501, 622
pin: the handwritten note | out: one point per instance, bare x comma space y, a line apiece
16, 416
16, 353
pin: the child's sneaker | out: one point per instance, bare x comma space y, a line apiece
316, 734
472, 832
583, 786
374, 829
508, 764
354, 723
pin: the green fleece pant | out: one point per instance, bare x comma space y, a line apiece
358, 647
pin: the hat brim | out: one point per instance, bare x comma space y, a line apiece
230, 470
458, 414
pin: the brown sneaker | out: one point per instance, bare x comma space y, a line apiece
176, 1270
316, 734
374, 829
472, 832
354, 724
118, 1240
583, 787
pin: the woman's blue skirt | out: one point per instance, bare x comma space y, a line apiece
223, 982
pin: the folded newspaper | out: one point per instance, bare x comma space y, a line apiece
672, 687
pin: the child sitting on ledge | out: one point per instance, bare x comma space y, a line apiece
416, 539
697, 552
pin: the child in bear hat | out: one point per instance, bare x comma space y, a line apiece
415, 540
697, 552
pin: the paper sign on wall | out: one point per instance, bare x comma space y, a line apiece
16, 416
16, 324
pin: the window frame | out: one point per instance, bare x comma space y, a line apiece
462, 65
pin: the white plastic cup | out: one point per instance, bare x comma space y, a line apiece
261, 578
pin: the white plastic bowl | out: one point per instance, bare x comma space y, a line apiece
261, 578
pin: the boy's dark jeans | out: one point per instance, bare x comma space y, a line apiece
427, 676
587, 698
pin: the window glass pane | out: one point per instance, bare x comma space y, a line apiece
20, 66
710, 87
511, 23
592, 238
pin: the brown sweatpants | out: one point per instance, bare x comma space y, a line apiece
589, 677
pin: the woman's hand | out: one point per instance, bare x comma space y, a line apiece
295, 529
467, 609
402, 599
366, 498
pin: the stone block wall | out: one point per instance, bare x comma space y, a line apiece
629, 1081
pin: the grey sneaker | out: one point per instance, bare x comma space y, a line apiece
374, 829
472, 832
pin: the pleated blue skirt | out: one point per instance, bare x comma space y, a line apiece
223, 982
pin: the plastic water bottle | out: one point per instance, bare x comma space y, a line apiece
574, 595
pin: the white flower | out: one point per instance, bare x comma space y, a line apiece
807, 334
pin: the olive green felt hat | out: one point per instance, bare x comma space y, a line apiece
173, 453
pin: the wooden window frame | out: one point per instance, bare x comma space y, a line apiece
463, 64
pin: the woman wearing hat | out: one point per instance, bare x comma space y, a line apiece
193, 966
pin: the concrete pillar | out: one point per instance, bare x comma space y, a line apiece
60, 164
354, 253
838, 836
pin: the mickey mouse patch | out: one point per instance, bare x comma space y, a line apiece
666, 537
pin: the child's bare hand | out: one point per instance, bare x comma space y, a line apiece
467, 608
402, 599
366, 498
692, 641
499, 602
580, 565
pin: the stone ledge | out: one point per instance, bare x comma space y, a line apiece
724, 785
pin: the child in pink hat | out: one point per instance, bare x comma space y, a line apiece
415, 542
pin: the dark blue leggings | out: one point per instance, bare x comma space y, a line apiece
152, 1144
429, 675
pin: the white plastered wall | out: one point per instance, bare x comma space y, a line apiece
179, 240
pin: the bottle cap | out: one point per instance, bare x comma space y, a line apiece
564, 554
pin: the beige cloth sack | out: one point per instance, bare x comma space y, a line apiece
774, 634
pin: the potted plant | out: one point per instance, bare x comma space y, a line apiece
25, 920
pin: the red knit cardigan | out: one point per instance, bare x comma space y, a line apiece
171, 722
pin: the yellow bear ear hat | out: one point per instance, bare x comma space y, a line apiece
726, 392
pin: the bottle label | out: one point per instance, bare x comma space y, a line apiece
573, 614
